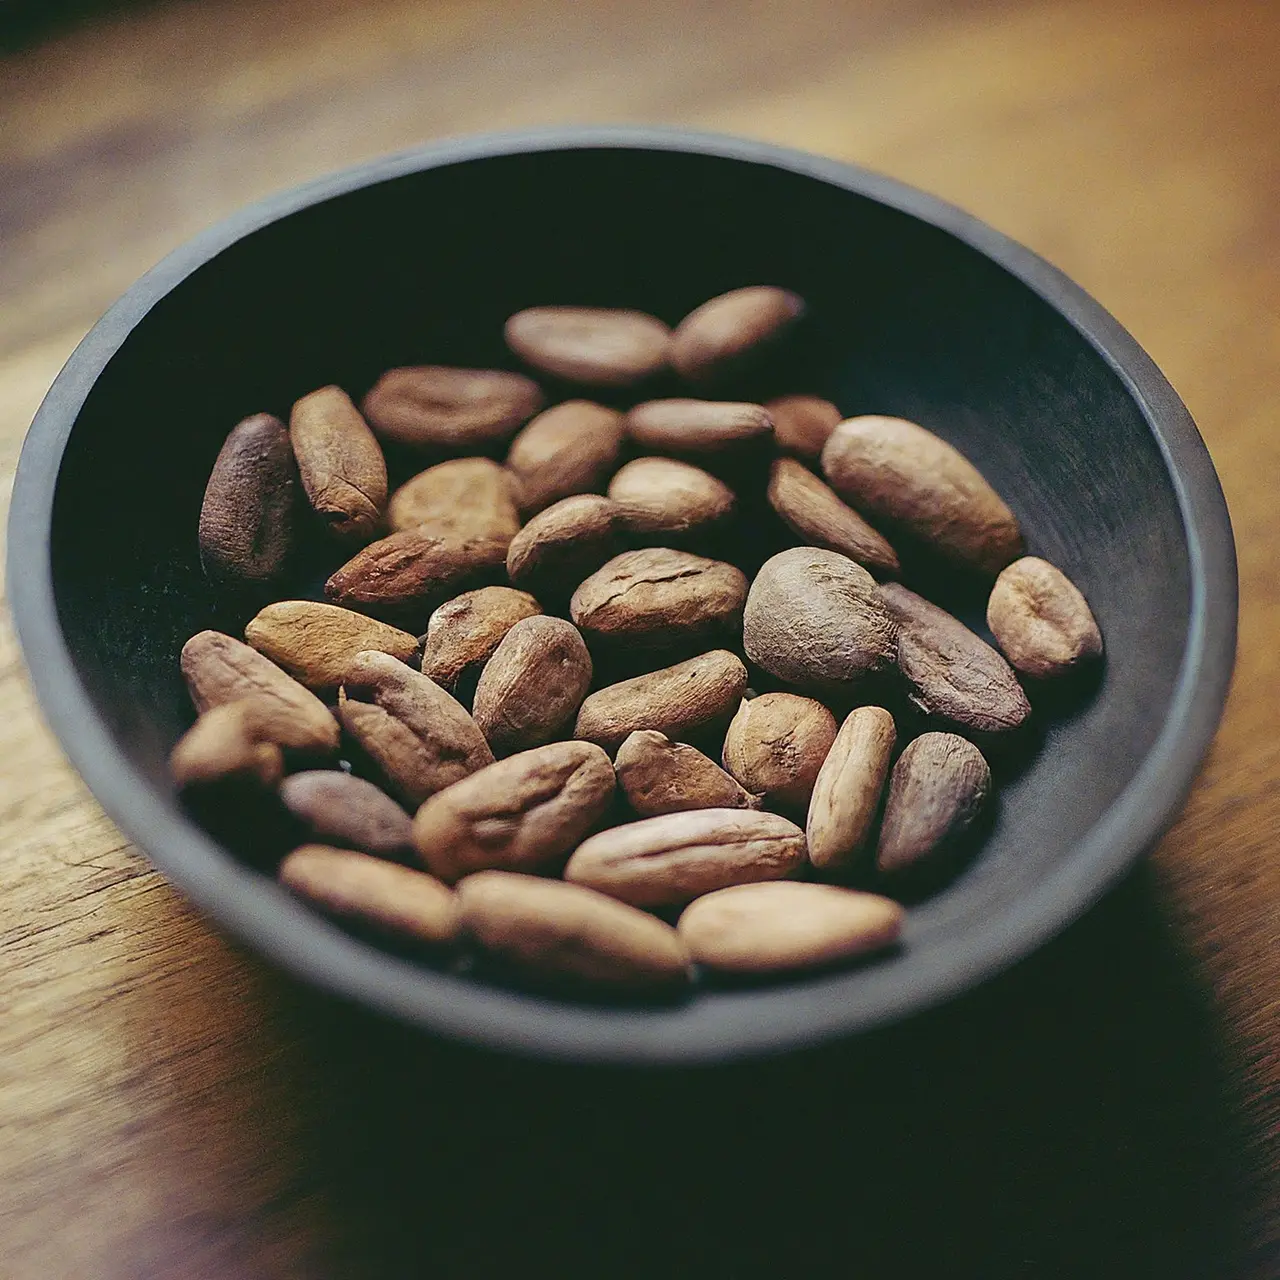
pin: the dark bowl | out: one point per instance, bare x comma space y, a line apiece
916, 310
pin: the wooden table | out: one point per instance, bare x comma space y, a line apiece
169, 1107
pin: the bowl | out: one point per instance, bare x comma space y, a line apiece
917, 310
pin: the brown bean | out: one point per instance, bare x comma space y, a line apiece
696, 427
590, 345
1041, 622
714, 339
354, 886
223, 747
951, 673
248, 519
341, 465
563, 930
847, 792
660, 776
462, 499
659, 596
895, 470
404, 576
819, 519
316, 642
564, 544
438, 407
783, 926
803, 424
936, 792
220, 669
564, 451
532, 687
687, 698
816, 620
670, 860
340, 809
519, 814
463, 633
422, 739
661, 496
775, 746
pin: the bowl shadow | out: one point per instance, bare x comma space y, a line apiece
1071, 1118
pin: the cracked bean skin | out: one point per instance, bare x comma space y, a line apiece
659, 595
951, 673
688, 698
660, 776
776, 744
938, 788
520, 814
1041, 622
340, 462
670, 860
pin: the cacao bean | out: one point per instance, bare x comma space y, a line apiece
713, 339
590, 345
404, 576
1041, 622
462, 410
951, 673
659, 596
936, 791
668, 861
463, 633
660, 776
421, 738
564, 451
815, 619
520, 814
562, 545
532, 687
783, 926
819, 519
847, 792
464, 499
248, 518
354, 886
803, 424
340, 463
220, 669
316, 642
351, 813
681, 700
663, 496
696, 427
563, 930
894, 470
224, 747
775, 746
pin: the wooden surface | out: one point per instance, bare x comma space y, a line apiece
169, 1107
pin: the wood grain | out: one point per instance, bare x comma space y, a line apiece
170, 1107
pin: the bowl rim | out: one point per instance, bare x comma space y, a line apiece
255, 910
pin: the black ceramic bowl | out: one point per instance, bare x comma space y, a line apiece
917, 310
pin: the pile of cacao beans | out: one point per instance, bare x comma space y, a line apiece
557, 711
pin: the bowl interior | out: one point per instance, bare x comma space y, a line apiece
906, 319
